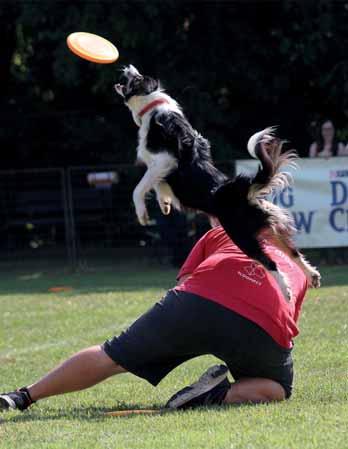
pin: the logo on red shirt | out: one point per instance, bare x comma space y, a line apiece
253, 273
255, 270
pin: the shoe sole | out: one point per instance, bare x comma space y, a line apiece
212, 377
6, 402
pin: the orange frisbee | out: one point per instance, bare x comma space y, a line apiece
92, 47
59, 289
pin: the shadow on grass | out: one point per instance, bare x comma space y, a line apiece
94, 414
124, 411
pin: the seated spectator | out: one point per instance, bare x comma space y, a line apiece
327, 144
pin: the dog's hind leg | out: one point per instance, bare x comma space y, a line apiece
251, 246
253, 249
287, 246
242, 223
312, 273
166, 198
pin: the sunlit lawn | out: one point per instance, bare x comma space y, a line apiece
39, 329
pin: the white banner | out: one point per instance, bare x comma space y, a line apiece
318, 200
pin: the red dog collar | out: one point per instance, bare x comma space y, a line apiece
151, 105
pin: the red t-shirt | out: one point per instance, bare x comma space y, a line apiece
221, 272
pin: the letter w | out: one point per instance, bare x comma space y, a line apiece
303, 221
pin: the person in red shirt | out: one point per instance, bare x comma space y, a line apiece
218, 270
225, 304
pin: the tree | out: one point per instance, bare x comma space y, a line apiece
233, 71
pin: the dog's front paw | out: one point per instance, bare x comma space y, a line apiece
166, 209
165, 205
142, 215
164, 197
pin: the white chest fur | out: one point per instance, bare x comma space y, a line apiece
136, 104
161, 163
143, 154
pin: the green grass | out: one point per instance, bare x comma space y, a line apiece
38, 329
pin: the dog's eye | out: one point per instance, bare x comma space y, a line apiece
136, 82
135, 86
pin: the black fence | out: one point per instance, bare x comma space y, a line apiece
33, 214
84, 215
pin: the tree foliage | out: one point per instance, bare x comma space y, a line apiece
234, 66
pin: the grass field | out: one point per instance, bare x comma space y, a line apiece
38, 329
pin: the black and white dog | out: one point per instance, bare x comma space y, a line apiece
181, 172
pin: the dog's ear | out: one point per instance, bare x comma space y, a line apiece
150, 84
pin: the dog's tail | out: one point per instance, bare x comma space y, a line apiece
270, 175
250, 212
266, 147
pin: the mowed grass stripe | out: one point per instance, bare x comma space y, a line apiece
39, 329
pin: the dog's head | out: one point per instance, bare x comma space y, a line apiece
132, 84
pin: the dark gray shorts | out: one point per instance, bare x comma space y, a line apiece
182, 326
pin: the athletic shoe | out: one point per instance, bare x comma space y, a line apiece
16, 400
211, 388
